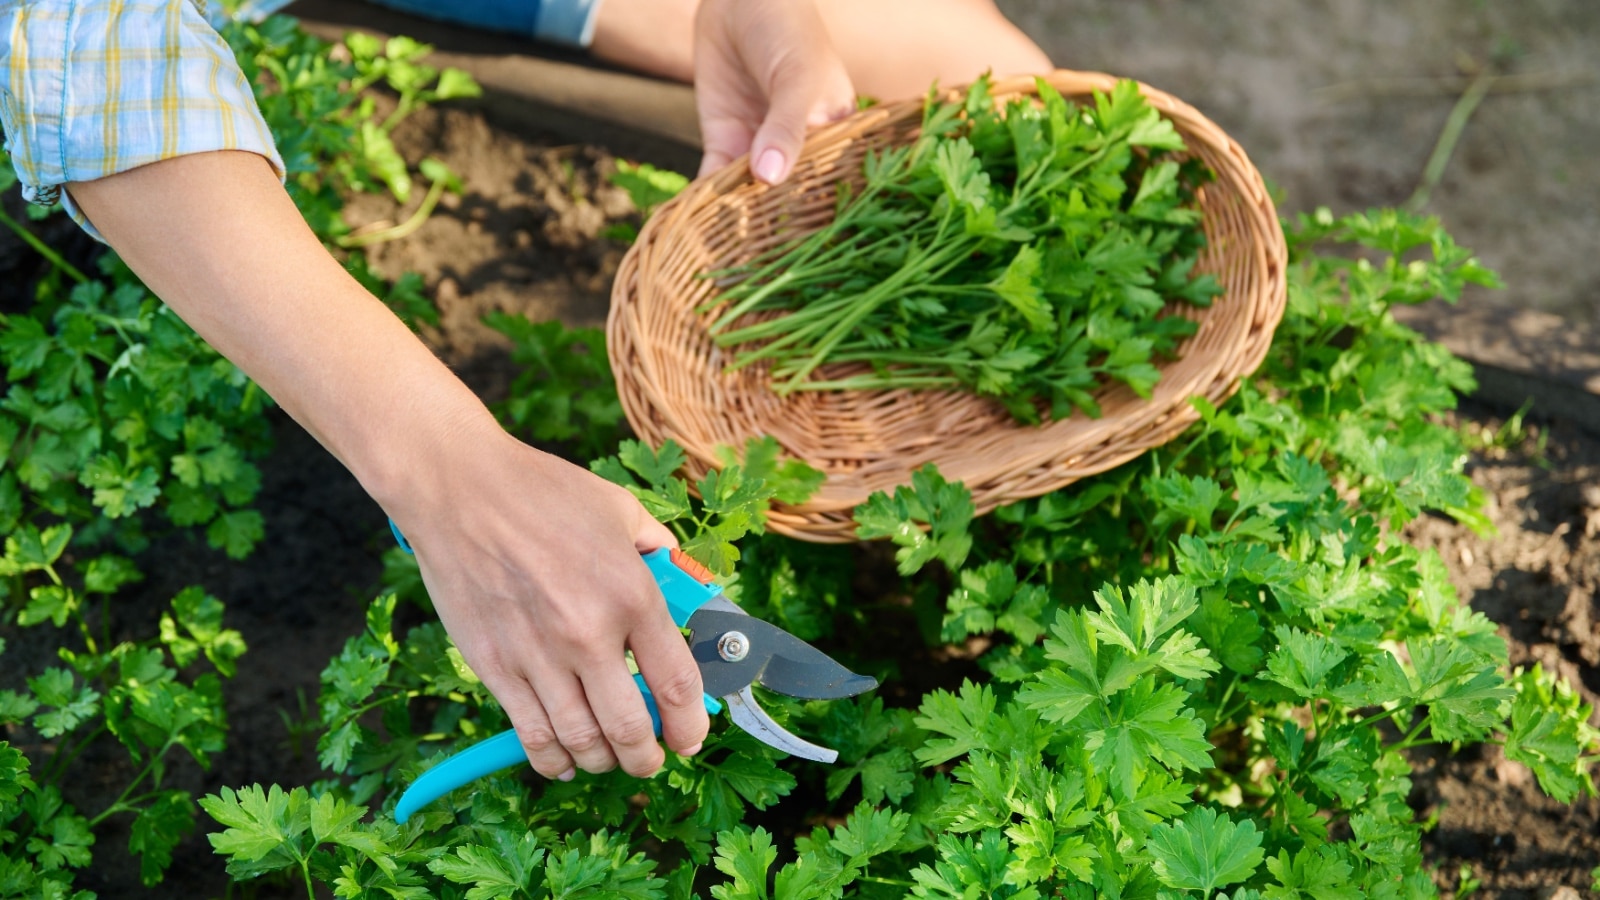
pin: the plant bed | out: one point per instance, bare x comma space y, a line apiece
528, 236
1538, 580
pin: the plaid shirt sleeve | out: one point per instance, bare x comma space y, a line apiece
90, 88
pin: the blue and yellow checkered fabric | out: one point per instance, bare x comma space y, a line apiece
90, 88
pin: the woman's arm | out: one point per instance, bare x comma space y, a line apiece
532, 563
892, 49
765, 70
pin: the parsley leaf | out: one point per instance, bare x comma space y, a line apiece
1205, 850
944, 507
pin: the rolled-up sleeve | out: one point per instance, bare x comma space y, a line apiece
90, 89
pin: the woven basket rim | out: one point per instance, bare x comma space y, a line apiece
672, 386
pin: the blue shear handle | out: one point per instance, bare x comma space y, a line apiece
683, 592
489, 756
469, 765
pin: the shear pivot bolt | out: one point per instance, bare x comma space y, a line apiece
733, 646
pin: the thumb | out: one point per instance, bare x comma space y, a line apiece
650, 534
653, 535
820, 94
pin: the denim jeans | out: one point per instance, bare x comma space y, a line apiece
567, 22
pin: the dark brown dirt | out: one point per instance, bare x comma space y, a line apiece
1538, 579
526, 235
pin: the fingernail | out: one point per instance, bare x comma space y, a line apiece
833, 115
693, 750
769, 165
568, 775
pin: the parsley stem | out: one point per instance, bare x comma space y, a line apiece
808, 267
407, 104
420, 216
121, 803
105, 618
1376, 717
1227, 695
43, 249
1379, 717
365, 708
814, 317
933, 263
877, 382
817, 252
1410, 740
1448, 138
64, 758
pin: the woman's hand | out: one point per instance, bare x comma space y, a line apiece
535, 570
764, 70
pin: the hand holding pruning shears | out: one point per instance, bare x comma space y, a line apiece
731, 650
544, 606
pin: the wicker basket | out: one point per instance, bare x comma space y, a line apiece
673, 385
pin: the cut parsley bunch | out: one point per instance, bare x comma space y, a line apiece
1022, 252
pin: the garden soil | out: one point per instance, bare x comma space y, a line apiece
528, 236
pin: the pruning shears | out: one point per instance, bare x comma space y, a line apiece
733, 650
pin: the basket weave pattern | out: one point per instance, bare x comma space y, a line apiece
673, 385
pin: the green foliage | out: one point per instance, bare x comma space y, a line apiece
564, 393
115, 406
319, 101
137, 693
1551, 734
732, 500
945, 509
827, 862
1204, 668
42, 838
1262, 581
1204, 851
647, 186
1021, 252
324, 119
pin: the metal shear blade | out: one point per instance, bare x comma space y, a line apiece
735, 650
748, 714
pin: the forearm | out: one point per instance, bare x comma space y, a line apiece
651, 36
893, 49
217, 238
